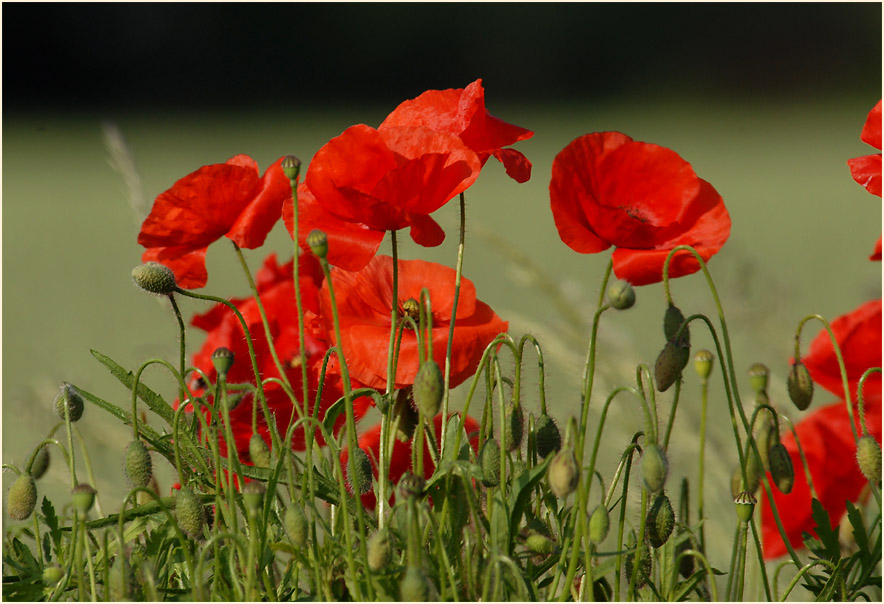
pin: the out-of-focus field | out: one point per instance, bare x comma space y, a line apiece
802, 232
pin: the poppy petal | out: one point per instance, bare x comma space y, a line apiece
189, 265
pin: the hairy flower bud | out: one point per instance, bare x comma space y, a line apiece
360, 481
295, 524
317, 241
563, 473
412, 485
138, 467
83, 496
22, 497
660, 521
69, 398
781, 469
644, 567
190, 513
670, 363
539, 544
259, 452
155, 278
621, 295
429, 388
547, 437
253, 495
745, 503
380, 550
758, 376
41, 463
599, 523
868, 456
703, 361
800, 386
655, 468
672, 320
52, 575
514, 426
222, 359
489, 460
414, 586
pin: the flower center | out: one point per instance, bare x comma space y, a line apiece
410, 308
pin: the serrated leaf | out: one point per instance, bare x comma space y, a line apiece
827, 535
859, 530
50, 519
520, 492
154, 401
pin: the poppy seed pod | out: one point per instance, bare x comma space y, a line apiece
655, 468
547, 436
670, 363
379, 550
672, 320
317, 241
781, 469
758, 376
660, 521
295, 524
139, 468
83, 496
190, 513
155, 278
429, 388
411, 308
621, 295
563, 473
360, 481
703, 361
259, 452
69, 398
22, 497
800, 386
745, 503
291, 167
222, 360
489, 460
868, 456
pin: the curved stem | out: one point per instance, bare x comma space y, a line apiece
182, 349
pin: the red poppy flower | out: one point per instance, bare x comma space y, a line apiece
859, 336
221, 200
277, 291
364, 302
400, 459
391, 179
644, 199
462, 112
351, 245
866, 170
827, 441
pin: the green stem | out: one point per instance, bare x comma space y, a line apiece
182, 349
386, 417
704, 399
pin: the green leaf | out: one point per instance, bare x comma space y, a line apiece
826, 533
50, 519
154, 401
520, 492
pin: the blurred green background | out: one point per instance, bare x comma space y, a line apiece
769, 121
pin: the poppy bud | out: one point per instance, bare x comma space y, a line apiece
655, 468
489, 460
670, 363
360, 481
295, 524
781, 469
189, 513
766, 438
291, 167
138, 464
380, 550
660, 521
41, 463
222, 359
22, 497
800, 386
317, 241
758, 374
259, 452
514, 427
155, 278
83, 496
644, 567
621, 295
69, 398
547, 436
672, 320
539, 544
253, 495
429, 388
412, 485
414, 586
563, 473
745, 503
599, 523
52, 575
703, 360
868, 456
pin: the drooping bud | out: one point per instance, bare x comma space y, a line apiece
655, 468
745, 504
670, 363
83, 496
672, 320
800, 386
412, 485
621, 295
259, 452
758, 376
22, 497
139, 468
291, 167
317, 241
514, 426
222, 359
429, 388
599, 523
295, 524
360, 479
766, 438
563, 473
155, 278
41, 463
380, 550
253, 495
781, 469
489, 460
644, 567
414, 586
660, 521
703, 361
547, 436
538, 543
868, 456
190, 513
69, 398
